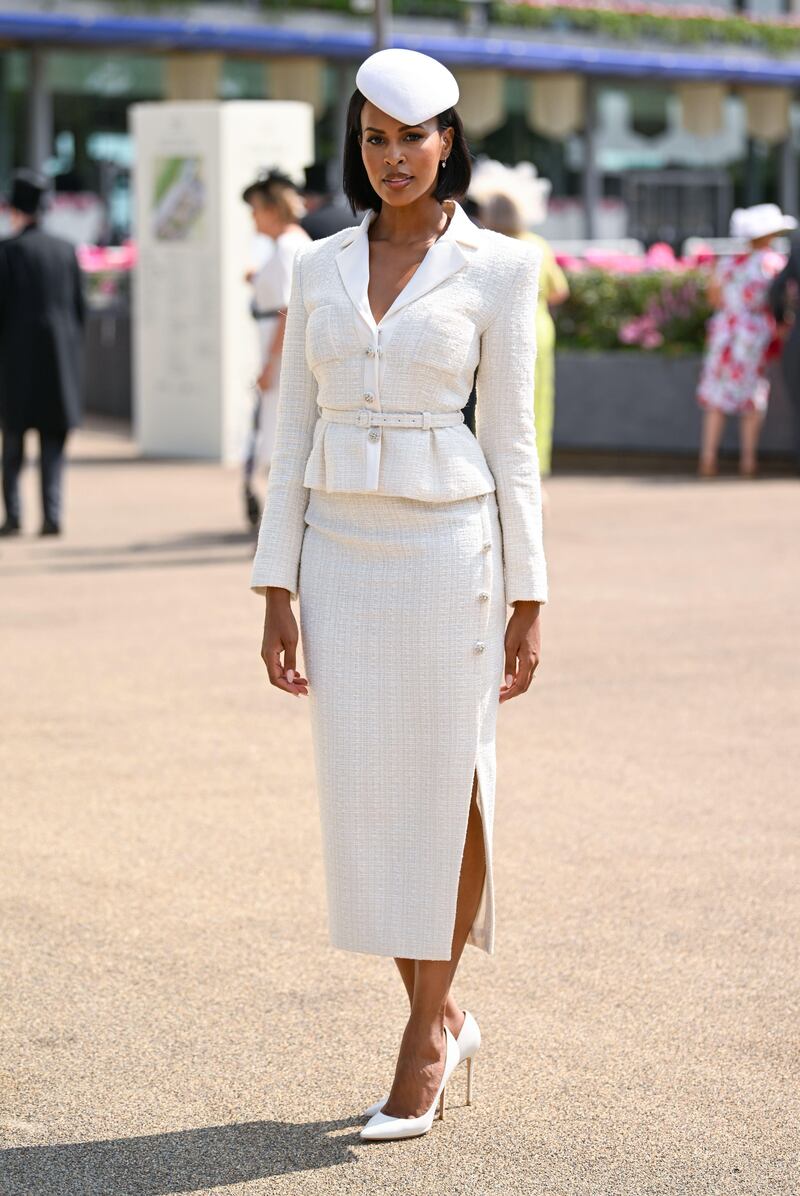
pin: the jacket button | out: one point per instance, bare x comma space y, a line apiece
480, 646
374, 434
483, 596
369, 398
487, 545
370, 351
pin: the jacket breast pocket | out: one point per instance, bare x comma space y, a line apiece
329, 334
448, 343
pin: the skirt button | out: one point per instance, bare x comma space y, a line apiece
483, 596
487, 545
374, 434
480, 646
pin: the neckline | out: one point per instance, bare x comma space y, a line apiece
423, 260
372, 216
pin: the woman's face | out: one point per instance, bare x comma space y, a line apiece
402, 161
265, 217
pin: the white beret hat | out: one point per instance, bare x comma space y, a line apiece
407, 85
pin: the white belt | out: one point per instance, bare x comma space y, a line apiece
393, 419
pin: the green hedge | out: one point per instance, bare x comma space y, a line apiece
774, 36
661, 305
734, 29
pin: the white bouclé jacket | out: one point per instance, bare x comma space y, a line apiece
349, 384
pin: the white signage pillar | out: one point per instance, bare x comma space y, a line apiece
195, 352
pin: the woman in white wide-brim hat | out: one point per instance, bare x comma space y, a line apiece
406, 539
733, 379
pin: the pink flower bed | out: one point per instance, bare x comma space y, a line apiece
97, 258
653, 301
658, 257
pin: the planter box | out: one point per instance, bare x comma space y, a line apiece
645, 402
108, 362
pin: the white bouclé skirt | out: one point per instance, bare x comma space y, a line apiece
402, 618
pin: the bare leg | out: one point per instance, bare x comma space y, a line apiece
713, 427
422, 1050
749, 432
453, 1013
407, 968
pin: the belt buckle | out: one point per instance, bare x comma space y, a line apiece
426, 420
363, 419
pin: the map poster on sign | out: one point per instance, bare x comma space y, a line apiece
179, 199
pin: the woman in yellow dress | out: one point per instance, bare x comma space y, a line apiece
505, 213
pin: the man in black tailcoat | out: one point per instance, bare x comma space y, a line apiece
41, 350
327, 213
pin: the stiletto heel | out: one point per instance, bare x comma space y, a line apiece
382, 1128
470, 1062
468, 1042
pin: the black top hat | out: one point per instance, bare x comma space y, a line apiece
28, 189
317, 179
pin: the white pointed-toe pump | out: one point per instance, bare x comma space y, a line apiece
381, 1128
468, 1042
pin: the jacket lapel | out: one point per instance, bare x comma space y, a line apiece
353, 263
444, 258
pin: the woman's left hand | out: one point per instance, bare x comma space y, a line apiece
523, 649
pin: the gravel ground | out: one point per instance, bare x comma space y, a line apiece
173, 1017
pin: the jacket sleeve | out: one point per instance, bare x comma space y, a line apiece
506, 433
280, 537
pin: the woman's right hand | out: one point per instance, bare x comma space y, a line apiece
281, 636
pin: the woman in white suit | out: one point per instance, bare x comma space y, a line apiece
405, 539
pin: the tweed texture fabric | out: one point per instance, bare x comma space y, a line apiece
404, 545
402, 616
468, 313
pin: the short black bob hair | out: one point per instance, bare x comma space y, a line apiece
453, 181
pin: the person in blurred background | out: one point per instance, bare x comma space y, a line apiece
509, 202
41, 350
783, 298
326, 213
277, 210
733, 379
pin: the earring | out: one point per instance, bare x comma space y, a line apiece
443, 163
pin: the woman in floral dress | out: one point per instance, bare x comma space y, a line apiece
733, 380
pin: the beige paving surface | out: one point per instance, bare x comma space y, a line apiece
173, 1019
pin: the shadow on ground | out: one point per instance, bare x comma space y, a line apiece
199, 549
184, 1161
189, 540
